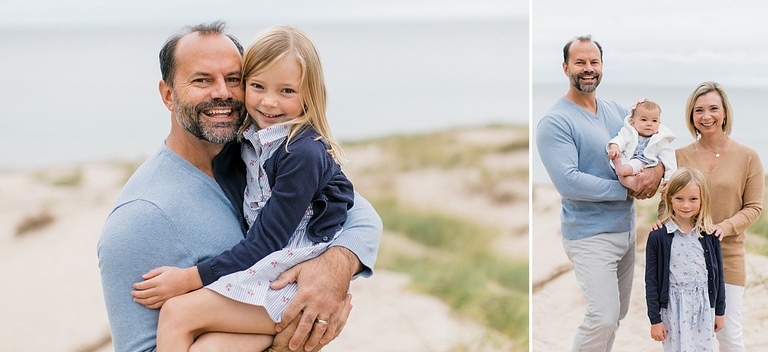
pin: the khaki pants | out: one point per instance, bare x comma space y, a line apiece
604, 267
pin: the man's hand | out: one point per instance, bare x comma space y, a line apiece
280, 343
323, 283
163, 283
647, 182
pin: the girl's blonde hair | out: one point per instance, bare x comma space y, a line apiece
278, 42
679, 180
701, 89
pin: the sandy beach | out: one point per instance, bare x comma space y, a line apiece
52, 300
557, 302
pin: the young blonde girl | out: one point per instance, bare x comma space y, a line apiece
296, 200
684, 284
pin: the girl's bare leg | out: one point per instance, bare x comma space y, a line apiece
185, 317
628, 182
622, 169
231, 342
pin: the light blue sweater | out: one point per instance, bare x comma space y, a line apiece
571, 143
170, 213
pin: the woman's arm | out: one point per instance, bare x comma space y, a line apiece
752, 199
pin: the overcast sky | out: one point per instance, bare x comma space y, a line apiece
679, 42
90, 12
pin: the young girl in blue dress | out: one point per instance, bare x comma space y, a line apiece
296, 200
684, 284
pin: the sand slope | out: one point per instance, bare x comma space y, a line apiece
51, 299
558, 307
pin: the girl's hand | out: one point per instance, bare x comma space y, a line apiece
718, 232
614, 153
719, 322
659, 331
163, 283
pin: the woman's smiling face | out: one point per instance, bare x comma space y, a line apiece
708, 113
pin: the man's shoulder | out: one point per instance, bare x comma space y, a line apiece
612, 109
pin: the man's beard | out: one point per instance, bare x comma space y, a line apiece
188, 117
586, 89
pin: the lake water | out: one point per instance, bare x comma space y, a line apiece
74, 94
749, 123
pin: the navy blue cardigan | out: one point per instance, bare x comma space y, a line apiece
657, 253
303, 175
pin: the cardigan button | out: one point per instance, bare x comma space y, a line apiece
326, 239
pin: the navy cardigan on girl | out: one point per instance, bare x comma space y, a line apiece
657, 253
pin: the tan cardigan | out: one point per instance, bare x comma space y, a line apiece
736, 200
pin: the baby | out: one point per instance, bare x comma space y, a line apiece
642, 142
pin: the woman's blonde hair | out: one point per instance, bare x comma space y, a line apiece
701, 89
679, 180
276, 43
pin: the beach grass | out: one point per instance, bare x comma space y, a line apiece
455, 262
449, 257
441, 150
759, 242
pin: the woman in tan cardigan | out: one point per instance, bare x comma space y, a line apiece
735, 179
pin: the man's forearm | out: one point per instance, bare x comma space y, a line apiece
347, 258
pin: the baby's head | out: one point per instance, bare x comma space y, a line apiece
645, 117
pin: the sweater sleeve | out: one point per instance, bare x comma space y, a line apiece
361, 234
297, 180
752, 199
720, 299
560, 157
652, 284
136, 238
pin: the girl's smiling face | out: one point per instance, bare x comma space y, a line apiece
273, 96
686, 203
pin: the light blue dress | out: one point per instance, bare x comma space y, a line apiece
689, 319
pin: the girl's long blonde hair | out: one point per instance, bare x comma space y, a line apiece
679, 180
275, 43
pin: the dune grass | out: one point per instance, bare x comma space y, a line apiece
759, 242
459, 266
452, 258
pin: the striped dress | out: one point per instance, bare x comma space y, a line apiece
252, 285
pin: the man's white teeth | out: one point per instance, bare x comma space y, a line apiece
219, 112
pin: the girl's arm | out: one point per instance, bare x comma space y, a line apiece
296, 182
658, 332
720, 299
652, 284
